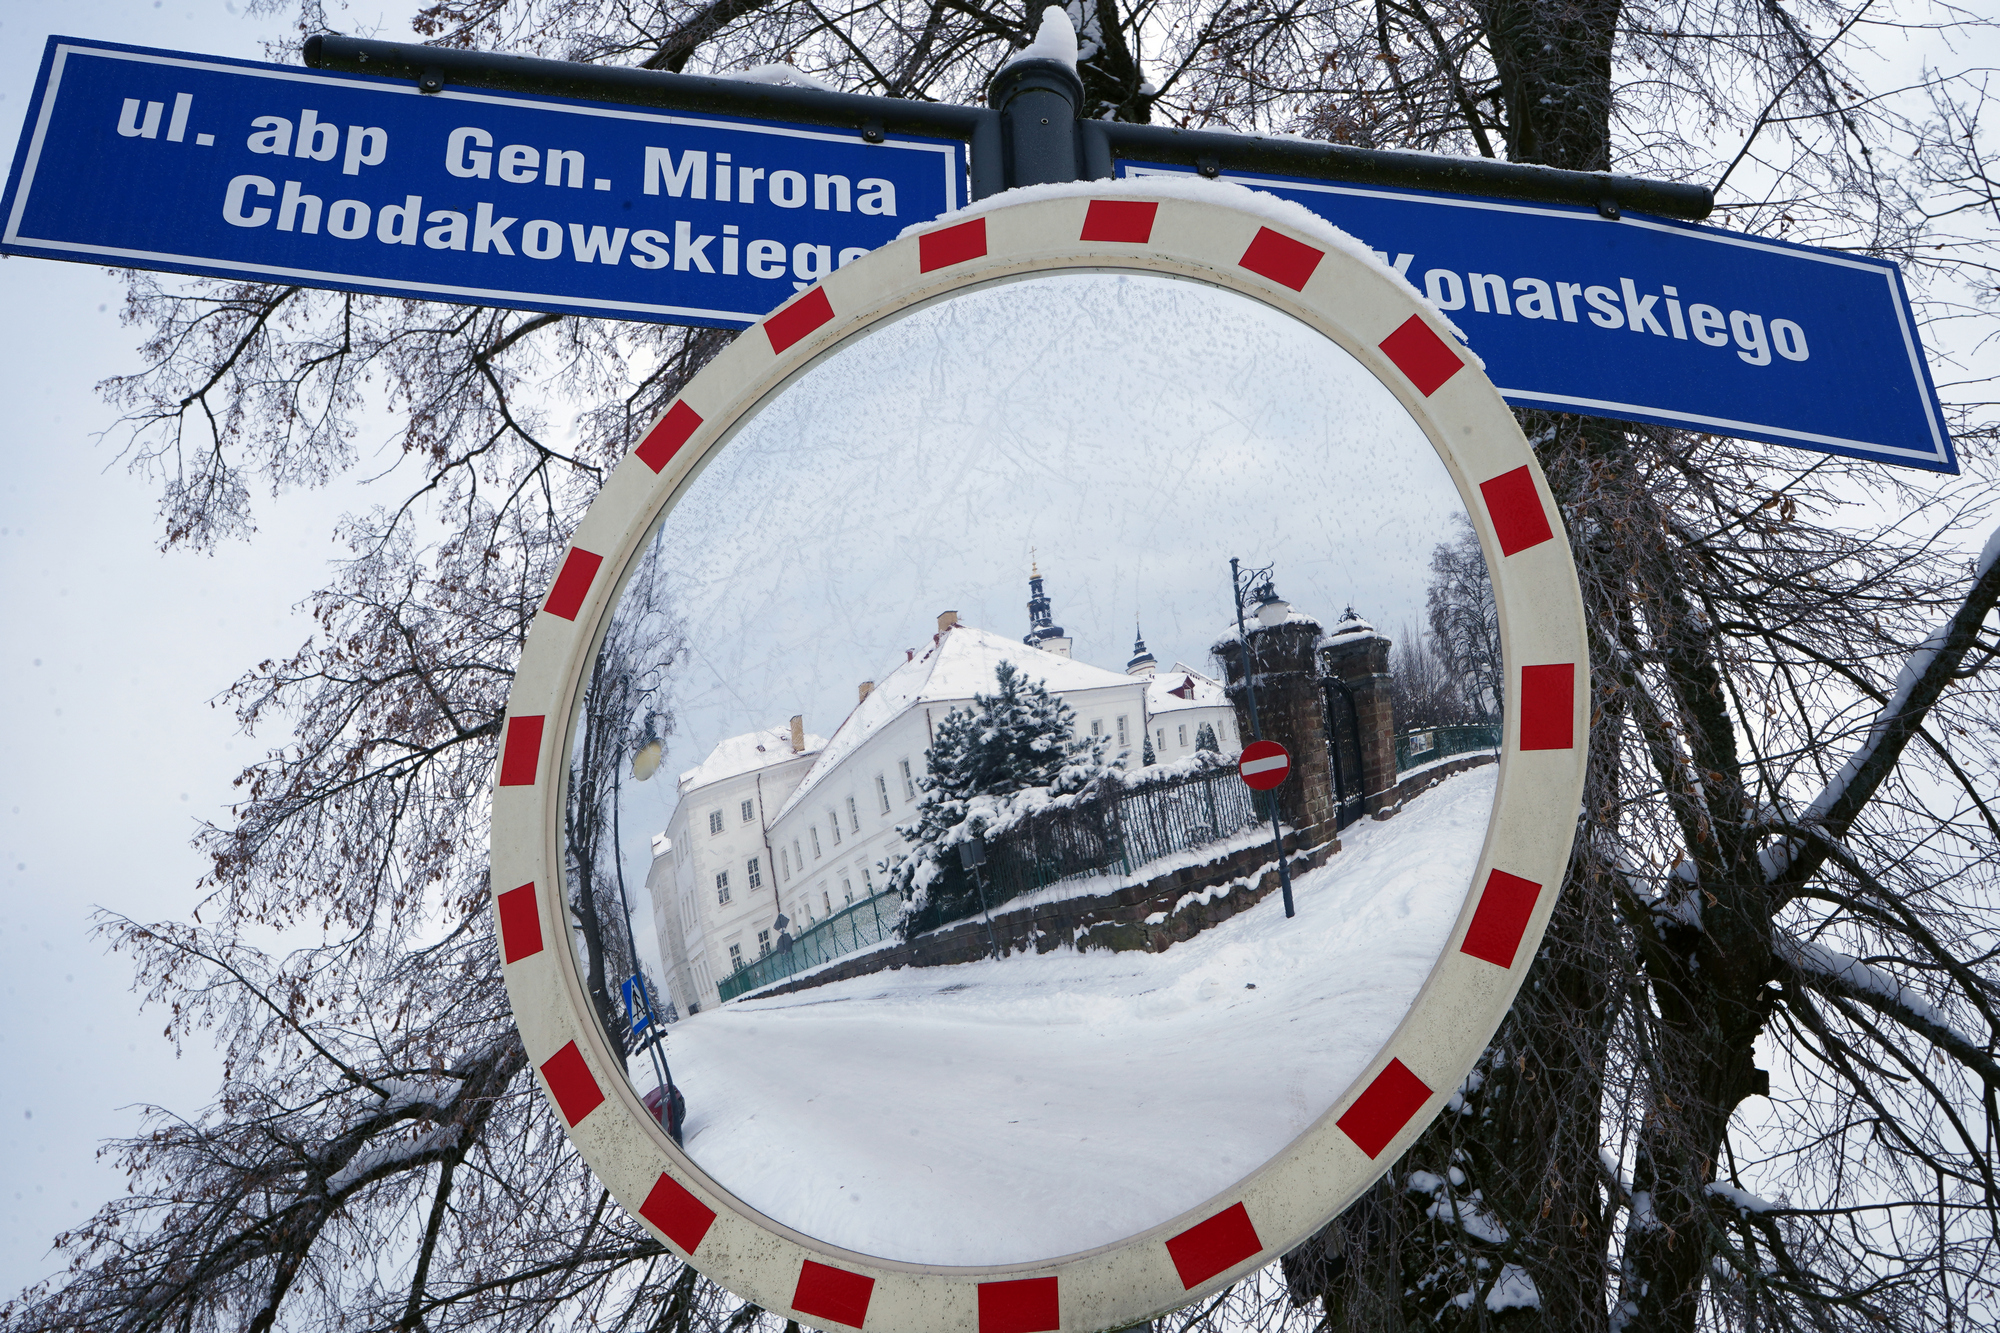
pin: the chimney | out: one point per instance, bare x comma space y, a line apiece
946, 619
867, 688
798, 733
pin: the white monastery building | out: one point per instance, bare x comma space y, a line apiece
712, 881
778, 823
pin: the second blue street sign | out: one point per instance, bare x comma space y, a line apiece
1648, 319
196, 164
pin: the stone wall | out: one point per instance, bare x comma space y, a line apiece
1417, 783
1185, 902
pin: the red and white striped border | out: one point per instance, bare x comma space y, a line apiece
1469, 989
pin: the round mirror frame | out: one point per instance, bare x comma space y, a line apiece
1103, 227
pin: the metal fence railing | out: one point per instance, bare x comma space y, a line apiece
867, 922
1425, 747
1112, 835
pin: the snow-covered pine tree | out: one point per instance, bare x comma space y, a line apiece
1204, 739
1146, 756
1019, 739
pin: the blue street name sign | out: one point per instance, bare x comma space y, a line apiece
234, 169
1652, 320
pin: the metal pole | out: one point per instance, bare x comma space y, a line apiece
657, 1050
1023, 94
1257, 731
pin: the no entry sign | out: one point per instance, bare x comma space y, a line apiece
1263, 765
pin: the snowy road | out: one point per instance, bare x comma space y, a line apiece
998, 1112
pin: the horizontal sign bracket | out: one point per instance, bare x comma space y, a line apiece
1098, 142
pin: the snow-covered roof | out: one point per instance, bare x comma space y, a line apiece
958, 663
1183, 687
746, 754
1351, 626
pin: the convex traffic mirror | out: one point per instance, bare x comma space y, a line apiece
881, 902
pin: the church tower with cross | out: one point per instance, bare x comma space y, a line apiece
1043, 632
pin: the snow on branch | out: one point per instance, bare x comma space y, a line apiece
1833, 973
1743, 1201
385, 1158
1930, 668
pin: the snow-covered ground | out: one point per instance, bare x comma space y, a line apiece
1020, 1109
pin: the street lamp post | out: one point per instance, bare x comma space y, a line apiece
1236, 582
648, 758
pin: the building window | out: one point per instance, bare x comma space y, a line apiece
882, 791
867, 881
735, 958
749, 811
853, 817
798, 855
826, 901
814, 830
722, 887
909, 783
1124, 737
784, 864
755, 873
833, 821
763, 943
714, 821
847, 889
1097, 726
1161, 742
1182, 734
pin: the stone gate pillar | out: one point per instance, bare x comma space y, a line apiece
1290, 711
1356, 653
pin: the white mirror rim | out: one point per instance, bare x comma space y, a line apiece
1206, 232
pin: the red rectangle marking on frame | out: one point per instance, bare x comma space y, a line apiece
520, 924
681, 1218
573, 583
1501, 918
1387, 1105
663, 441
1282, 259
520, 752
825, 1292
1128, 221
798, 319
952, 245
1519, 520
571, 1083
1548, 707
1210, 1247
1427, 359
1028, 1305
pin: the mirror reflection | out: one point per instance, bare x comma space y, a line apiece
908, 857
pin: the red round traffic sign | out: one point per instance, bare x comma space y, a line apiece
1263, 765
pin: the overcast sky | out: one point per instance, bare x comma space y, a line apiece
114, 652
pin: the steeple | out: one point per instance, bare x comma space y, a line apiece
1042, 632
1142, 663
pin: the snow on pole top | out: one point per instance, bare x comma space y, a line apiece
1056, 40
